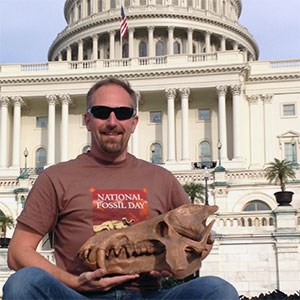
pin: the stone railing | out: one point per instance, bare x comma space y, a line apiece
244, 222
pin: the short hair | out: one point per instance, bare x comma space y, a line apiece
112, 80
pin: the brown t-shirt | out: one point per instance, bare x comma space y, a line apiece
63, 199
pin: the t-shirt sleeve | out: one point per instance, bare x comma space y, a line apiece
40, 210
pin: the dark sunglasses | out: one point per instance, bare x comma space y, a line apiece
103, 112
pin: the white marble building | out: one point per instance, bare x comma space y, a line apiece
204, 99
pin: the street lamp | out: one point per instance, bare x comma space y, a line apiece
25, 174
219, 168
152, 148
293, 143
25, 153
206, 176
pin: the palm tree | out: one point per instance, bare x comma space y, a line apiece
280, 171
195, 191
6, 222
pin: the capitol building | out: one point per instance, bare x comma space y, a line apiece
209, 111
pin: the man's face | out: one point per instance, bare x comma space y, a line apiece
110, 137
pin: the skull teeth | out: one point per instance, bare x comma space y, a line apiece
134, 250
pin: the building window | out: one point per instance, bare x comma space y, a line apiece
176, 48
155, 153
175, 2
190, 3
41, 122
290, 153
100, 5
40, 159
203, 4
256, 205
159, 2
203, 115
79, 12
288, 110
125, 53
142, 49
112, 4
143, 2
127, 3
155, 117
205, 154
160, 48
89, 7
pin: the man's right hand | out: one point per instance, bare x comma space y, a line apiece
95, 281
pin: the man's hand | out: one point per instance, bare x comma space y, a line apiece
95, 281
161, 274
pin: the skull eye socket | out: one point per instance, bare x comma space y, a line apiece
162, 229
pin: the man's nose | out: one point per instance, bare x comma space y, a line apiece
112, 119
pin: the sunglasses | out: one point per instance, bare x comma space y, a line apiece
103, 112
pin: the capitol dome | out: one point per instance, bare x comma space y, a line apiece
155, 28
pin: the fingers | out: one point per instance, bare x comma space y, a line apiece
159, 274
95, 281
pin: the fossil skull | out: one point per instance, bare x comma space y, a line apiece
176, 241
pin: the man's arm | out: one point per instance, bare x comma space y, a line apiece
22, 253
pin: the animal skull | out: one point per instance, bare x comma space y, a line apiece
176, 241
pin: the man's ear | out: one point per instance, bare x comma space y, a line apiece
87, 120
135, 121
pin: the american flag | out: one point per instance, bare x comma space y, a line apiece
123, 25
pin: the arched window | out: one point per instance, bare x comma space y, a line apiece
159, 48
176, 48
40, 159
256, 205
155, 153
86, 149
127, 3
205, 153
142, 49
203, 5
125, 53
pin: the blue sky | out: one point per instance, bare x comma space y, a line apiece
28, 27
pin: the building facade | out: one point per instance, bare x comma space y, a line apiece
204, 100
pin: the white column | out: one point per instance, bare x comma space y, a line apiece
16, 131
256, 131
170, 40
69, 53
80, 50
3, 133
51, 129
235, 46
76, 12
150, 41
65, 101
59, 56
135, 135
112, 44
190, 40
95, 47
223, 43
236, 124
221, 91
171, 93
184, 93
207, 42
95, 6
130, 33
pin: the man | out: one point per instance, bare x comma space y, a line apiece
74, 199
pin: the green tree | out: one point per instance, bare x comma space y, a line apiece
6, 222
195, 191
280, 171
